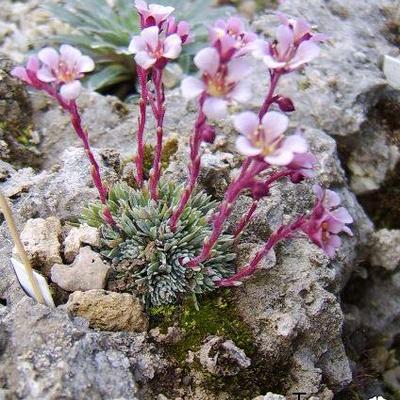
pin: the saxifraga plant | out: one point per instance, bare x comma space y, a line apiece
144, 235
104, 29
164, 230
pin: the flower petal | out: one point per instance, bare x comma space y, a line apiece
33, 63
342, 215
245, 147
295, 144
70, 54
46, 75
241, 92
144, 60
284, 37
238, 69
151, 36
192, 87
307, 51
271, 63
332, 199
246, 123
49, 57
137, 44
172, 46
20, 73
280, 157
215, 108
207, 60
85, 64
274, 123
71, 90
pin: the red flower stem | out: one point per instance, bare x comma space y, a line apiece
245, 220
248, 170
194, 165
142, 74
274, 78
280, 234
76, 121
159, 113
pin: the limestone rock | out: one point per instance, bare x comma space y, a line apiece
40, 238
270, 396
84, 234
88, 271
222, 357
385, 250
108, 311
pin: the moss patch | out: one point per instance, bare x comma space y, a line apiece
216, 315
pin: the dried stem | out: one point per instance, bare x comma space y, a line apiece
20, 248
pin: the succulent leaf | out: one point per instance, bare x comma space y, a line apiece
143, 239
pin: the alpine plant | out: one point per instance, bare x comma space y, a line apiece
173, 238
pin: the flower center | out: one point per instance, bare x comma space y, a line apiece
325, 231
64, 73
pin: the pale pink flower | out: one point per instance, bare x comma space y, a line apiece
327, 220
302, 166
151, 49
266, 139
219, 82
230, 37
295, 45
152, 14
64, 69
182, 29
28, 72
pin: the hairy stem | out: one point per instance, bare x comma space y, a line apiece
248, 170
142, 74
280, 234
159, 113
194, 166
76, 121
274, 78
245, 220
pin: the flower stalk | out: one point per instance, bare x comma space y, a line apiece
142, 75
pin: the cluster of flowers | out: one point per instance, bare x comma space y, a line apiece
269, 155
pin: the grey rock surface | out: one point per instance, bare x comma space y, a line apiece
385, 251
88, 271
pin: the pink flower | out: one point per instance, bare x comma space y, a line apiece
295, 45
64, 69
302, 167
151, 49
266, 139
182, 29
219, 82
29, 72
153, 14
231, 38
327, 220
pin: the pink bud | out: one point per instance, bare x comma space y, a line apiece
285, 103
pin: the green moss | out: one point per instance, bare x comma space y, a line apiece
304, 84
170, 147
25, 137
216, 315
